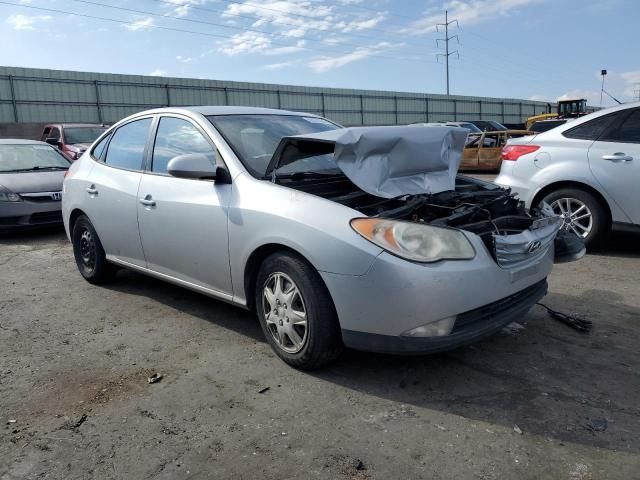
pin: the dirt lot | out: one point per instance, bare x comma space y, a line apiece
68, 349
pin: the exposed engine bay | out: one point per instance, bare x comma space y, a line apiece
475, 206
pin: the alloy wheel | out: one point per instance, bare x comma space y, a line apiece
285, 312
576, 215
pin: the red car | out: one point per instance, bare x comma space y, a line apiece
72, 138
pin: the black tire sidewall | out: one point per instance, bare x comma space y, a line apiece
101, 270
324, 341
598, 213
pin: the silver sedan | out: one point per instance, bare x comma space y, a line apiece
588, 170
334, 237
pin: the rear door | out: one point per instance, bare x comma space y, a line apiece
614, 159
112, 193
183, 222
471, 151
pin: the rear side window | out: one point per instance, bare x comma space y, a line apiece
628, 132
178, 137
593, 129
98, 150
126, 149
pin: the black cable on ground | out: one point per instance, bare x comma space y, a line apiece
573, 321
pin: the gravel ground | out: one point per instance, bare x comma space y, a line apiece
537, 401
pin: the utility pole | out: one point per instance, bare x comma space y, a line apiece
446, 40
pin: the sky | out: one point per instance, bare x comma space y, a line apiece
530, 49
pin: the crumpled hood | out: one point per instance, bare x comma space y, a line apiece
32, 182
385, 161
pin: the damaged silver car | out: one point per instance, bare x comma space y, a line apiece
359, 237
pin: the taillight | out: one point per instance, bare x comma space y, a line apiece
514, 152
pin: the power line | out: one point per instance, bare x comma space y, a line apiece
446, 40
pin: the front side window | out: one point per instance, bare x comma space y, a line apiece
54, 133
255, 138
126, 149
26, 158
628, 132
593, 129
178, 137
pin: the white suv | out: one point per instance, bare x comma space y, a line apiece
588, 170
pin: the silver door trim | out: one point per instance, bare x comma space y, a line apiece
191, 286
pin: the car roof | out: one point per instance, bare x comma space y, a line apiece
230, 110
63, 125
598, 113
20, 141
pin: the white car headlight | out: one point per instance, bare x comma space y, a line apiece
415, 241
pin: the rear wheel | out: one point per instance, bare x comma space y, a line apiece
296, 312
89, 254
583, 214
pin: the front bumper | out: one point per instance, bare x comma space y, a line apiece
468, 328
25, 214
396, 296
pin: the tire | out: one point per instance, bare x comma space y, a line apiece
89, 254
300, 284
576, 198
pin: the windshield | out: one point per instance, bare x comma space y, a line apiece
254, 138
30, 157
82, 134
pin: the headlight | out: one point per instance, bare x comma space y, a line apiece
415, 241
9, 197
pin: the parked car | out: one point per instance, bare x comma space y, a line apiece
72, 138
31, 174
488, 125
468, 125
361, 237
588, 170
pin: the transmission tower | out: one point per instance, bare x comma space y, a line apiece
446, 41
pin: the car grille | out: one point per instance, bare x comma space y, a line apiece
527, 247
42, 197
494, 310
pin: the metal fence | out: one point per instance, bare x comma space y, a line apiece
38, 96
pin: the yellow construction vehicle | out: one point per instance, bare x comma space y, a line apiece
566, 109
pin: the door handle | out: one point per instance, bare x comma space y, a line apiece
92, 190
618, 157
148, 201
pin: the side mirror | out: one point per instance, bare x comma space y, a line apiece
197, 167
53, 141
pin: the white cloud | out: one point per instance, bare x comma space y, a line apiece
279, 66
183, 7
182, 59
592, 96
325, 63
140, 24
467, 12
538, 98
26, 22
299, 46
246, 42
158, 72
365, 24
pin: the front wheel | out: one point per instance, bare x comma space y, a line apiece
583, 214
89, 254
296, 312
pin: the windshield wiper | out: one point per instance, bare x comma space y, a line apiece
34, 169
307, 175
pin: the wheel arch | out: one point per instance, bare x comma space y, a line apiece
543, 192
253, 265
73, 217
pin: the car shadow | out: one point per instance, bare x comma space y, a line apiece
546, 378
620, 244
33, 235
192, 303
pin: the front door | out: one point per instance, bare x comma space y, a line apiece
183, 222
614, 159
